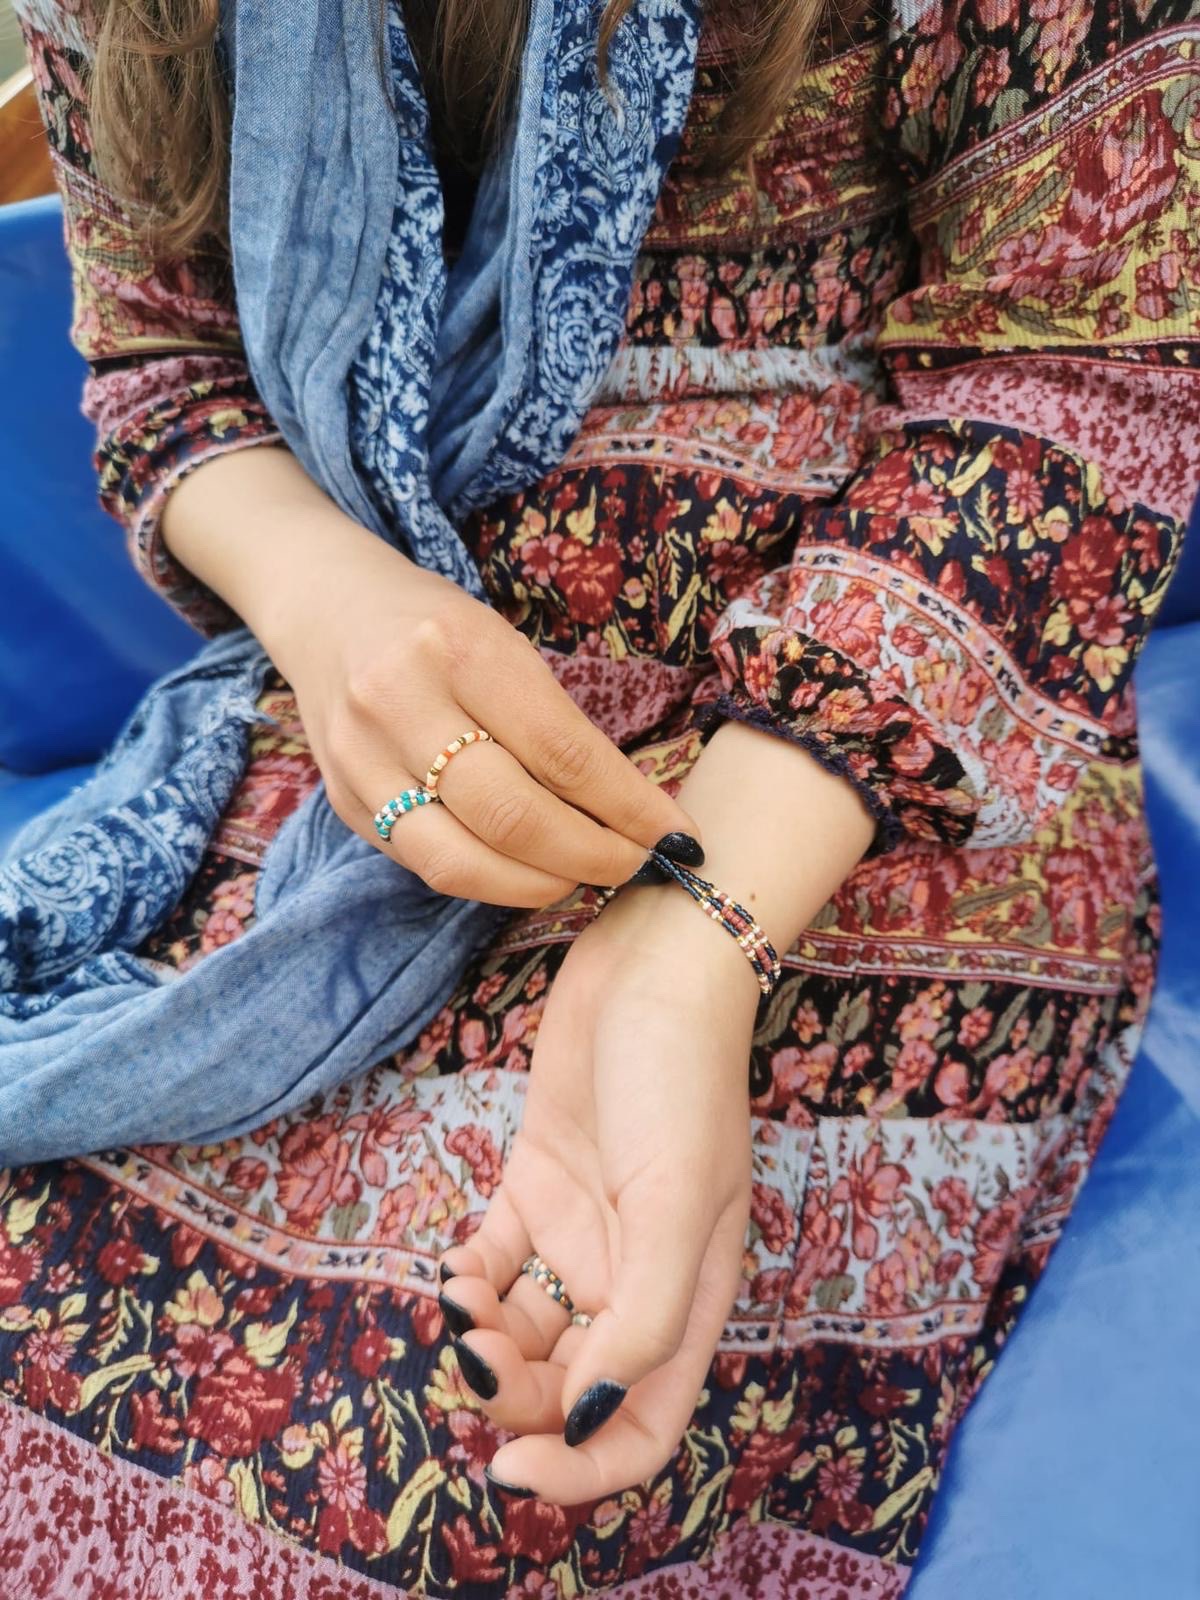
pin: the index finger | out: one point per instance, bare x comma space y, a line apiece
566, 752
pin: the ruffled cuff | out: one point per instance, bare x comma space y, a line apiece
153, 447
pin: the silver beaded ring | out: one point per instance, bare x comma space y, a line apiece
546, 1278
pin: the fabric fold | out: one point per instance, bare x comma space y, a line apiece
336, 224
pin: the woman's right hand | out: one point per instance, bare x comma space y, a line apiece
401, 662
391, 662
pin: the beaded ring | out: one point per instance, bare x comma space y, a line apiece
722, 908
546, 1278
472, 736
388, 815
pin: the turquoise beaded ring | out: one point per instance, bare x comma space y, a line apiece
387, 816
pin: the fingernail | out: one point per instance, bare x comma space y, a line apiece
475, 1370
509, 1488
649, 872
457, 1320
592, 1410
681, 847
445, 1273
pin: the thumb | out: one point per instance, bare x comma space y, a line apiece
650, 1303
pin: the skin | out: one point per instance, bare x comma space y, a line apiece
632, 1167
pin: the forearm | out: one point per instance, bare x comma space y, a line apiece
780, 832
260, 533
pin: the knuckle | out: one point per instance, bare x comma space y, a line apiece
443, 871
657, 1340
368, 682
567, 760
621, 860
441, 639
507, 821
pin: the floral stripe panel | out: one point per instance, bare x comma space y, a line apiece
68, 1513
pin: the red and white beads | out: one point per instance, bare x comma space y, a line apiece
723, 908
472, 736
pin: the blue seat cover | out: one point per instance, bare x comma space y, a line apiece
82, 635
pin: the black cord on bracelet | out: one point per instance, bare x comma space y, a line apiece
722, 908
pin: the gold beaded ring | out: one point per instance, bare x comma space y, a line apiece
546, 1278
472, 736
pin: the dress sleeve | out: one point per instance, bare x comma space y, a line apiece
168, 386
956, 631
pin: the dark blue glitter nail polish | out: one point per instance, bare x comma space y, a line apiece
457, 1320
476, 1372
680, 847
517, 1493
592, 1410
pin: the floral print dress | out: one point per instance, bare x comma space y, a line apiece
893, 462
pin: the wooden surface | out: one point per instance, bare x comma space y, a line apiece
24, 153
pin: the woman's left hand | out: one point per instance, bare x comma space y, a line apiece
631, 1178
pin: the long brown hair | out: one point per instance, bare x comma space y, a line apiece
160, 107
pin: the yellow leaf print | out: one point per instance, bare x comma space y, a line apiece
698, 1509
446, 1389
246, 1490
966, 480
563, 1579
197, 1301
725, 522
902, 1497
222, 422
22, 1215
1058, 627
749, 1408
428, 1476
581, 524
459, 1491
1103, 662
777, 1414
296, 1446
96, 1382
265, 1341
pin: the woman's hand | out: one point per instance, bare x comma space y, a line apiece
390, 663
631, 1178
631, 1173
396, 663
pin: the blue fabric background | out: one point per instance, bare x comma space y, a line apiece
1074, 1476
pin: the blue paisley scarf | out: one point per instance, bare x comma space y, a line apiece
412, 395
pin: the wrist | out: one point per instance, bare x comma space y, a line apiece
680, 947
780, 831
254, 528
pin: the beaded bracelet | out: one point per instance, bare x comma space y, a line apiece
722, 908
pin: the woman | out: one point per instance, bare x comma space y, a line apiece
849, 545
